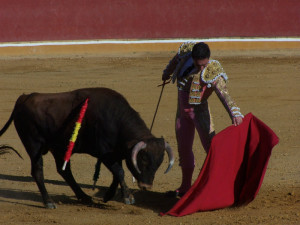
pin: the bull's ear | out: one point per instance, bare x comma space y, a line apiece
131, 144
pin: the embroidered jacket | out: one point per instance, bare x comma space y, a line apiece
201, 85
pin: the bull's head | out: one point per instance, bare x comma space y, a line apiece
147, 157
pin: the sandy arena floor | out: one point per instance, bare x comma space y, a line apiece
264, 83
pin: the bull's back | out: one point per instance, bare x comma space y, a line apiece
51, 117
51, 110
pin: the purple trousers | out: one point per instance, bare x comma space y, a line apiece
188, 119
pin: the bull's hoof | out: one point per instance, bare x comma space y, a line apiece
130, 200
50, 205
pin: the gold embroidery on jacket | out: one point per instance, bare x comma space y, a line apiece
185, 48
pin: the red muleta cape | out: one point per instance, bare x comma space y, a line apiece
233, 170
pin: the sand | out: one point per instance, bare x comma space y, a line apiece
265, 83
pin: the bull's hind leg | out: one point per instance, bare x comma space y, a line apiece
68, 177
34, 151
34, 145
38, 175
115, 166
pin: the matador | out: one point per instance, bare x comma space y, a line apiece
197, 77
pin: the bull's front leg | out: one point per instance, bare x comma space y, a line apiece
68, 177
112, 190
118, 173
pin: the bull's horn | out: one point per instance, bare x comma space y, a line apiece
139, 146
171, 156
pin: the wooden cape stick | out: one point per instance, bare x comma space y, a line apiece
162, 89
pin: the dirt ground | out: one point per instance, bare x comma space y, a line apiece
266, 83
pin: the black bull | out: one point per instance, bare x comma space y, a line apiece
111, 131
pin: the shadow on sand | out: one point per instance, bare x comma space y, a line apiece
155, 201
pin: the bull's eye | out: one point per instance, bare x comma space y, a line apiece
145, 160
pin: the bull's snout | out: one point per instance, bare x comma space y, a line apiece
145, 187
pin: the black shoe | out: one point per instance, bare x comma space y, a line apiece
174, 194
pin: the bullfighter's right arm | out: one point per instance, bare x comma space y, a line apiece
183, 54
170, 68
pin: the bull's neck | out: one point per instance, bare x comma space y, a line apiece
141, 134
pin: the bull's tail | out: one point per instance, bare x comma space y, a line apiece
11, 118
22, 99
4, 148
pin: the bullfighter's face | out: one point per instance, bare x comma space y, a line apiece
200, 64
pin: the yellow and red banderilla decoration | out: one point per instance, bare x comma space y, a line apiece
75, 134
